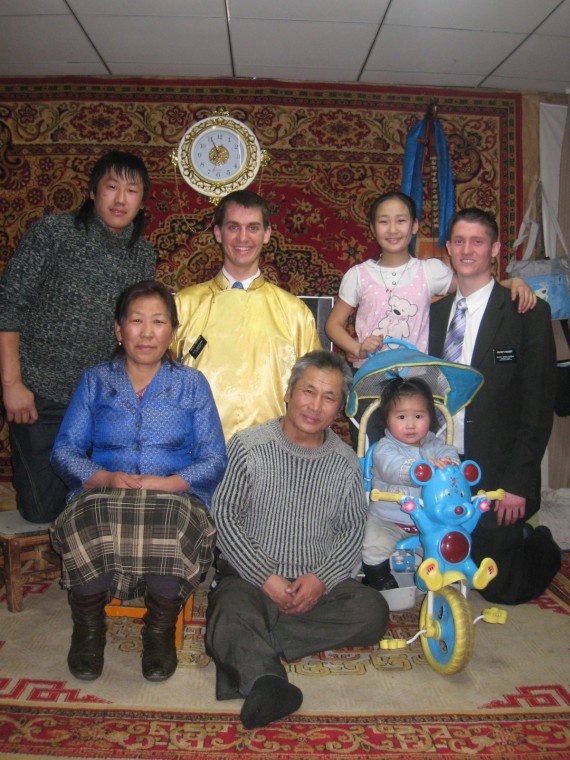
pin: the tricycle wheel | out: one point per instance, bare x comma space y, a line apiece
450, 651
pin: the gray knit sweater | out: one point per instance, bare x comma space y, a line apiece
59, 291
287, 509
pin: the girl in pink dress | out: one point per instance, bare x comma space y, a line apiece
392, 294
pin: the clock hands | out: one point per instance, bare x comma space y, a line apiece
218, 155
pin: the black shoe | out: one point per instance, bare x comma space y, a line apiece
270, 698
379, 576
159, 658
546, 532
388, 584
86, 653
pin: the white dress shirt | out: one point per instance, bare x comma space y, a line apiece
245, 283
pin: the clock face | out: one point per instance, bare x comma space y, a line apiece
219, 155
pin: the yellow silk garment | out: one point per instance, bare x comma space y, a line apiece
253, 338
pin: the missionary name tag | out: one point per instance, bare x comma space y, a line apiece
505, 355
198, 347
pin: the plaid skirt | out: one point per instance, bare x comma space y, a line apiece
134, 533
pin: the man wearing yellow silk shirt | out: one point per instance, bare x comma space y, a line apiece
243, 332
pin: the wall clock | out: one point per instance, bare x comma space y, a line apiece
218, 155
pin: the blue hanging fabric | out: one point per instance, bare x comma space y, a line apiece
445, 188
412, 179
412, 182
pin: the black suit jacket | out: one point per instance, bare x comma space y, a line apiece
508, 423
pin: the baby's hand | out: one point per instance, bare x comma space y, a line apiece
441, 463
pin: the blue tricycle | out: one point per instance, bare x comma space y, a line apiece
445, 515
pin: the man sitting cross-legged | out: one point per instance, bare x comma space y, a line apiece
290, 513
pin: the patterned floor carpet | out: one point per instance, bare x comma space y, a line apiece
512, 702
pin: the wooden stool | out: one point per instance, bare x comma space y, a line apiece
117, 608
27, 556
7, 497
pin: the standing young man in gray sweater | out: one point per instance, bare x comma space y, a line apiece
58, 294
290, 514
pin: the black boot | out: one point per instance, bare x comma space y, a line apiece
85, 658
159, 659
379, 576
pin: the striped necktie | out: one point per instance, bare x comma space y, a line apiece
237, 285
454, 340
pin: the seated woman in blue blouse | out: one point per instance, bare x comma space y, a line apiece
141, 448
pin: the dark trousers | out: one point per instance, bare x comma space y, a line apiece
40, 494
164, 586
526, 563
246, 635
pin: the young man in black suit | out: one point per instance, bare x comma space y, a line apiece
507, 426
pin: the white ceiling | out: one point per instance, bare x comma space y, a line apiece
502, 44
